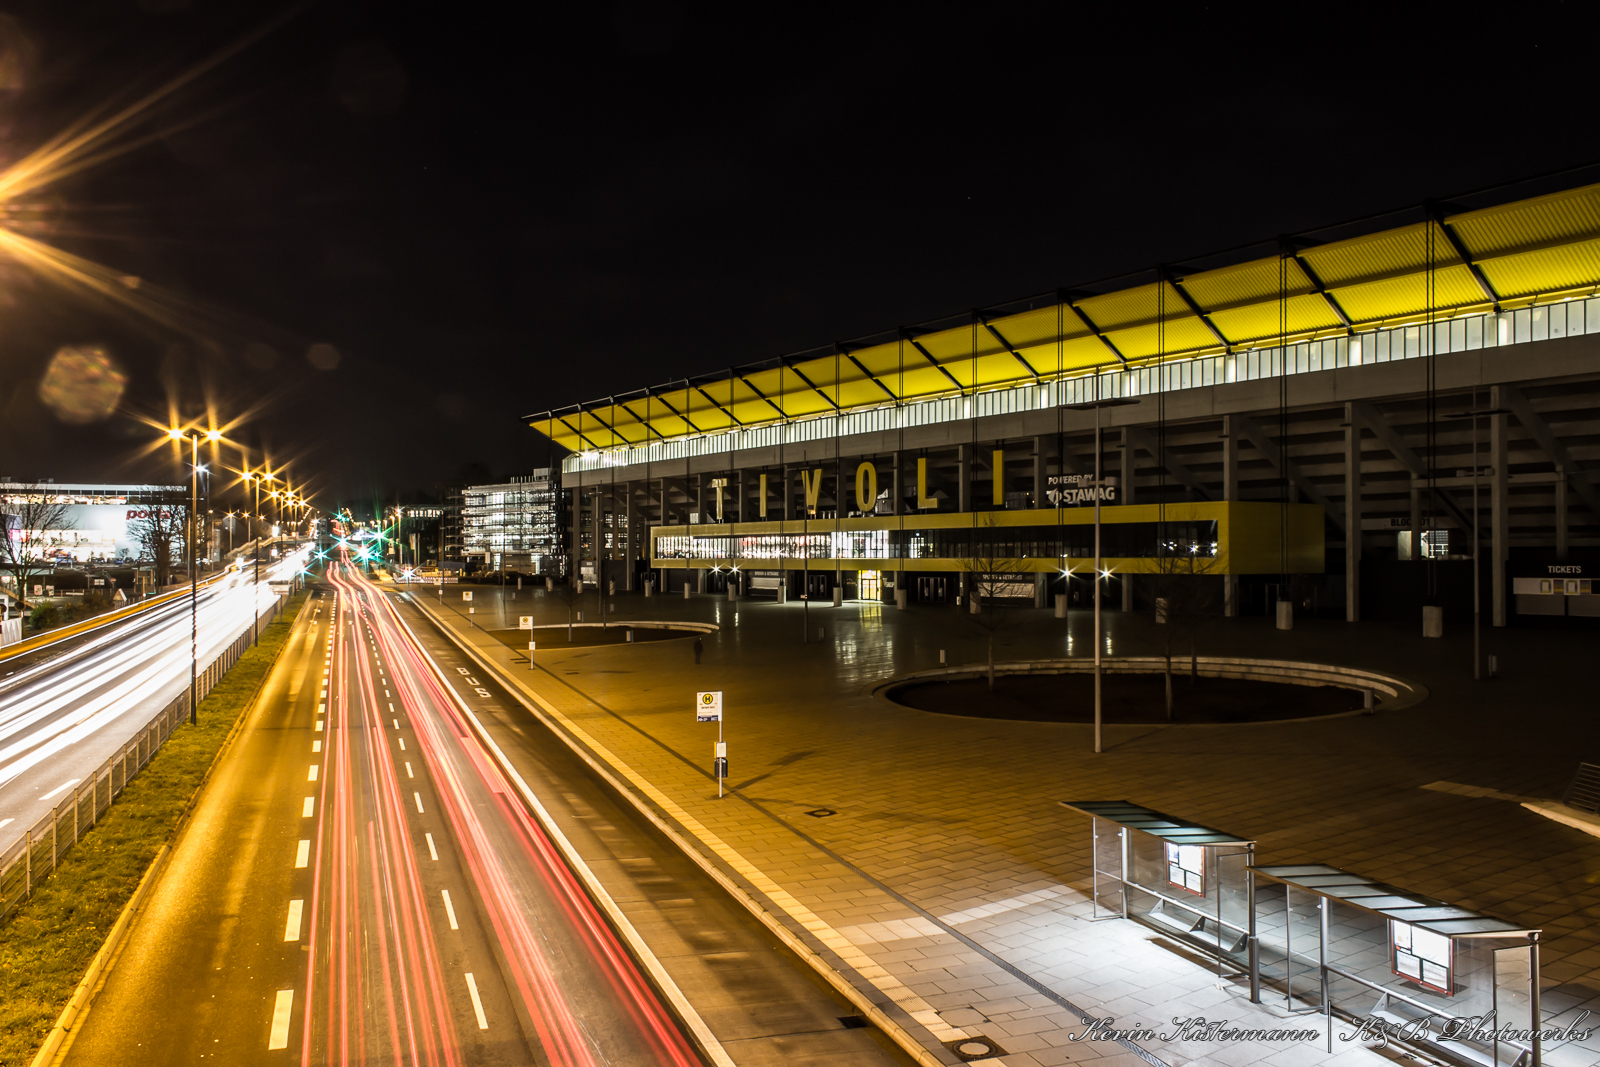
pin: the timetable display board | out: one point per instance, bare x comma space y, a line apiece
1423, 956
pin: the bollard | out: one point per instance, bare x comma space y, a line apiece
630, 635
1494, 665
1432, 620
686, 593
1368, 704
900, 599
941, 657
580, 616
733, 591
612, 591
649, 589
1285, 614
838, 596
1061, 605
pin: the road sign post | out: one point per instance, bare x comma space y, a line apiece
708, 708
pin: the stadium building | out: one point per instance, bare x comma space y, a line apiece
1344, 419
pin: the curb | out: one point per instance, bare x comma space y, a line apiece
59, 1040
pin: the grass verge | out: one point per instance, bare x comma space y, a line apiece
50, 941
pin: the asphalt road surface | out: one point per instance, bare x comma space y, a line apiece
360, 883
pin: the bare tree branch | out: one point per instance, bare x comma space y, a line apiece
33, 517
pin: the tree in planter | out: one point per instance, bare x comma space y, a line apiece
1183, 599
33, 518
158, 528
995, 579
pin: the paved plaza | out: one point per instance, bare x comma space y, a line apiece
928, 859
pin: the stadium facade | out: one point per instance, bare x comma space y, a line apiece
1336, 417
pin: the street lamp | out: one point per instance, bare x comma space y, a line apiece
1099, 575
194, 437
257, 478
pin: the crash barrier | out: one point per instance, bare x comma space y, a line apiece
34, 854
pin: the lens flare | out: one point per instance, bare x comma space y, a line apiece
82, 385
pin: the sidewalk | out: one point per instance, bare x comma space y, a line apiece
929, 858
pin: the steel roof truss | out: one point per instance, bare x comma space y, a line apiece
1194, 306
889, 392
1460, 248
718, 406
929, 357
1084, 318
681, 414
798, 373
998, 336
751, 386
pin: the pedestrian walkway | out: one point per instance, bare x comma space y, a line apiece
926, 857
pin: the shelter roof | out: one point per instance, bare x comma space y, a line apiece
1169, 827
1383, 899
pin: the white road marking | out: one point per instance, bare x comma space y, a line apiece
419, 802
477, 1003
402, 743
4, 822
321, 708
397, 724
280, 1019
302, 855
291, 929
391, 708
449, 909
313, 775
309, 809
387, 693
319, 726
316, 746
409, 773
431, 850
62, 788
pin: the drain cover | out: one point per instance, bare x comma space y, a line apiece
821, 813
974, 1048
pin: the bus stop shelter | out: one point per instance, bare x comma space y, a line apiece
1451, 981
1189, 882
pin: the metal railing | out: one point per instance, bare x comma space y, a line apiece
35, 853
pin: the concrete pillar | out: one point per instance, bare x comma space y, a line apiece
963, 478
700, 579
1560, 489
1041, 589
1352, 515
1499, 522
1230, 493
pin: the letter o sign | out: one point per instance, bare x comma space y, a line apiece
866, 487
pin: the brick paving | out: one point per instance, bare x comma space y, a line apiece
950, 878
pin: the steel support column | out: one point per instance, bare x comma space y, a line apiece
1499, 526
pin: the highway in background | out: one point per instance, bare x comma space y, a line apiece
62, 717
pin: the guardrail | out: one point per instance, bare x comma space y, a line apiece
33, 855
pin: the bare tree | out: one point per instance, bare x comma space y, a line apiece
158, 527
33, 517
1184, 599
995, 580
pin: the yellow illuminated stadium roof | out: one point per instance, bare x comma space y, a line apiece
1492, 258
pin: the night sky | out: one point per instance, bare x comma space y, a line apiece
489, 210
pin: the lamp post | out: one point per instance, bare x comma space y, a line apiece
194, 437
1099, 490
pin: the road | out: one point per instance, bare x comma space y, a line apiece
361, 883
62, 717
